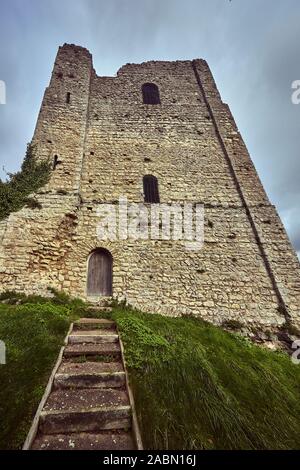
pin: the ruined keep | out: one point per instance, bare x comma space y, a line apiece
102, 139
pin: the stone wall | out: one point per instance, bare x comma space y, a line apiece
106, 140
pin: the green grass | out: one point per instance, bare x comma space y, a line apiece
195, 385
199, 387
33, 332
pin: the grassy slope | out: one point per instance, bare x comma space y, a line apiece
198, 387
195, 386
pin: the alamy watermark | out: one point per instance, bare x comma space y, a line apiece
2, 352
134, 221
296, 355
2, 92
296, 93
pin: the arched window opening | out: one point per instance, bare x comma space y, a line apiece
150, 93
68, 98
151, 194
99, 279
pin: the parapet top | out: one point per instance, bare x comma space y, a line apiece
73, 48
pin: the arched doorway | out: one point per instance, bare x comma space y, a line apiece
99, 279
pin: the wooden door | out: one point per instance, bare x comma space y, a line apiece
100, 273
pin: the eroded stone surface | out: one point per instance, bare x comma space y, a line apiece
90, 367
85, 399
85, 441
91, 349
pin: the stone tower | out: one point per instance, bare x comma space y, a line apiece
102, 140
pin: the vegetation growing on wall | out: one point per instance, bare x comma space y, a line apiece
15, 191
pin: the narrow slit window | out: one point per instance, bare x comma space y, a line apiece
150, 185
150, 93
55, 162
68, 98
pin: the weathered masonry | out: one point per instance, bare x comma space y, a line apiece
159, 132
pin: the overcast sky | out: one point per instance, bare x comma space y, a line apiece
252, 47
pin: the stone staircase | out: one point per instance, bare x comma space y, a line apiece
88, 403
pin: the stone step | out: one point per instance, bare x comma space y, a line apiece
85, 410
103, 380
88, 323
100, 308
94, 321
93, 336
90, 375
97, 419
96, 301
105, 349
90, 367
85, 399
85, 441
